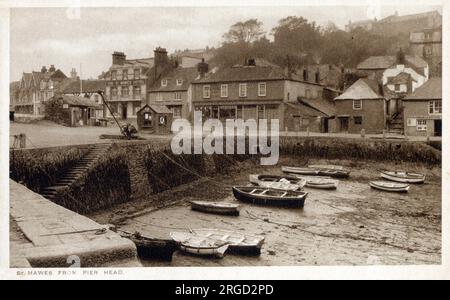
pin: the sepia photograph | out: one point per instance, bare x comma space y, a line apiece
262, 135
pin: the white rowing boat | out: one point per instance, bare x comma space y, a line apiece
199, 245
286, 182
406, 177
389, 186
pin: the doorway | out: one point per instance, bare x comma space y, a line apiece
343, 124
124, 112
437, 127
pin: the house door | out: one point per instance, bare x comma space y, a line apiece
124, 112
325, 124
437, 127
344, 124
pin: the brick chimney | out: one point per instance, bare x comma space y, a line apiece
202, 68
43, 70
52, 69
118, 58
161, 58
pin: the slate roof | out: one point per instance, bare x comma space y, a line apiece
384, 62
75, 101
306, 110
364, 88
322, 105
185, 74
432, 89
88, 86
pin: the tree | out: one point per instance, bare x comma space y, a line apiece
245, 32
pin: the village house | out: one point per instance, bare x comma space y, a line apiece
261, 90
427, 43
173, 89
361, 106
190, 58
329, 75
423, 110
88, 89
73, 111
399, 76
395, 24
35, 88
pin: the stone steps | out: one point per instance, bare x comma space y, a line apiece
80, 169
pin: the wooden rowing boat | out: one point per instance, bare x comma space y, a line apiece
389, 186
221, 208
333, 172
239, 243
321, 183
300, 171
269, 196
286, 182
199, 245
327, 167
151, 248
404, 177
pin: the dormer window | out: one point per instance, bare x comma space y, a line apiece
179, 82
164, 82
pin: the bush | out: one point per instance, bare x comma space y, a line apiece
40, 168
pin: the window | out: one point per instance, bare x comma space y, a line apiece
421, 125
164, 82
125, 91
397, 87
159, 97
224, 90
96, 99
357, 104
242, 90
125, 74
357, 120
206, 91
176, 111
119, 75
114, 75
147, 119
177, 96
114, 93
435, 107
262, 89
137, 92
179, 82
305, 122
137, 73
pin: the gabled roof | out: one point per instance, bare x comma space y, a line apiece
75, 101
432, 89
87, 86
395, 18
362, 89
385, 62
159, 109
401, 78
185, 74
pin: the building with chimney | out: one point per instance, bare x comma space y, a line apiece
260, 90
35, 89
427, 43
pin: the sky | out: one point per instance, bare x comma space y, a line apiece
85, 38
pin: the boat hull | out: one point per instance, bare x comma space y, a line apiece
403, 179
285, 183
335, 173
217, 252
322, 186
211, 208
149, 248
386, 188
243, 244
246, 197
